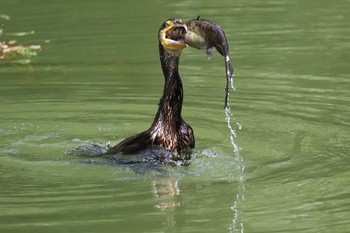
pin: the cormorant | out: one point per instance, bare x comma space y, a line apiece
168, 130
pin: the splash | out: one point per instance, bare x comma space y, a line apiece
155, 156
88, 149
237, 224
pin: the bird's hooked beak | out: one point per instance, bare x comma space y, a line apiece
172, 36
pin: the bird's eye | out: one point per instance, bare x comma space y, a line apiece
167, 24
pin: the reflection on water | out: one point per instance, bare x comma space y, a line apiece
165, 191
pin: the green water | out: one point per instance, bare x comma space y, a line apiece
98, 79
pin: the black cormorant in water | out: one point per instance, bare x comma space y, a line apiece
168, 130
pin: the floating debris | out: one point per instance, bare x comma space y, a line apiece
12, 50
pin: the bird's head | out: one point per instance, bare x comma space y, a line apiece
171, 35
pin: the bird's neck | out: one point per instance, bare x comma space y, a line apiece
170, 105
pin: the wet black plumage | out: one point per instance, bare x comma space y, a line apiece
168, 130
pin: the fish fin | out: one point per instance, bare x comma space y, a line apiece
210, 52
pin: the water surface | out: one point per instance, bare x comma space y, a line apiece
98, 79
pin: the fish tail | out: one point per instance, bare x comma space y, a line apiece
229, 76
